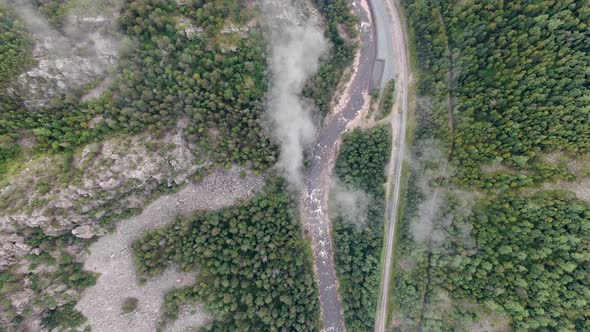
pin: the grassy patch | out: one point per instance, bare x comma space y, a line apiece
387, 100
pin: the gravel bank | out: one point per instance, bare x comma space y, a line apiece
111, 256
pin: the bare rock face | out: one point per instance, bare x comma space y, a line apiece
12, 247
290, 12
84, 232
20, 300
59, 72
67, 60
103, 180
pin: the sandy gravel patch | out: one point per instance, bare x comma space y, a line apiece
111, 256
581, 188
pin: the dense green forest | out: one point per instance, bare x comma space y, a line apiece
15, 46
357, 244
255, 269
523, 85
531, 259
500, 86
15, 56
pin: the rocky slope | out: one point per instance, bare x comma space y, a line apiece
52, 205
79, 194
68, 60
112, 256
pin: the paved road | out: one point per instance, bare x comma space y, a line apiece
389, 24
317, 183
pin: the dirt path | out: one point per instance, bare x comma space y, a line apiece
111, 256
396, 30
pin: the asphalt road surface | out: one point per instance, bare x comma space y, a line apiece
314, 205
395, 49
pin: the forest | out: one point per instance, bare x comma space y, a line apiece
220, 90
217, 85
501, 86
255, 270
360, 165
533, 261
15, 46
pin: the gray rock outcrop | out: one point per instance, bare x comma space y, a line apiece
102, 181
67, 60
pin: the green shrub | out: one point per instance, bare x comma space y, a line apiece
64, 318
129, 305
